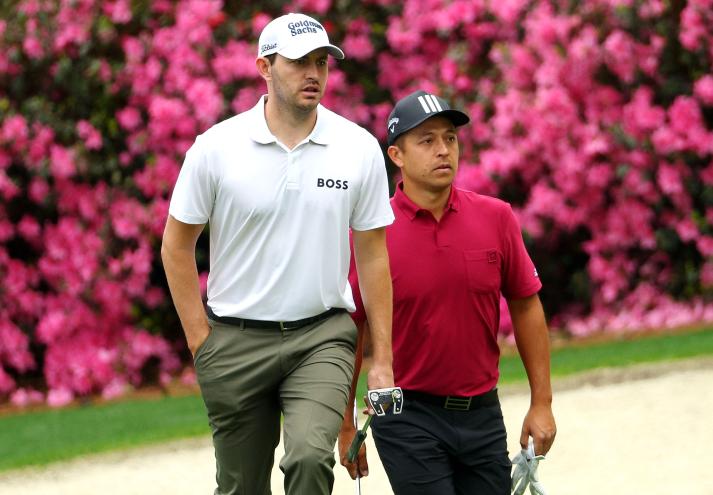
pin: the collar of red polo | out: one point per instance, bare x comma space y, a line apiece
411, 209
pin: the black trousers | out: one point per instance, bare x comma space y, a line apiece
428, 450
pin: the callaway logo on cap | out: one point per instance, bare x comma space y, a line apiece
293, 36
413, 109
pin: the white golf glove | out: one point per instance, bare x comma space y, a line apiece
525, 472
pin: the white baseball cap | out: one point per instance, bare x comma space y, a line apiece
293, 36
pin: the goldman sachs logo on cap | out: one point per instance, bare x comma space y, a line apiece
301, 27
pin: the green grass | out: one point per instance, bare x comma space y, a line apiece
41, 437
577, 358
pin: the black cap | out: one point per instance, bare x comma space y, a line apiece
413, 109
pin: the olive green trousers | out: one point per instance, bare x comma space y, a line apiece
249, 377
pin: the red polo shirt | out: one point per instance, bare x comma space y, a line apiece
447, 279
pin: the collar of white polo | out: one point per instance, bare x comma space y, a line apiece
260, 132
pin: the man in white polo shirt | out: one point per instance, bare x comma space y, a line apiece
280, 185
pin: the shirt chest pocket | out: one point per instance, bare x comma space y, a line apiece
483, 268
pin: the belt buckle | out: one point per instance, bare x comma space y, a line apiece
288, 325
457, 403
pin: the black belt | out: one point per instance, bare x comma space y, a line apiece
454, 402
275, 325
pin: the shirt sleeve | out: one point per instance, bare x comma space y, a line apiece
194, 193
520, 278
373, 209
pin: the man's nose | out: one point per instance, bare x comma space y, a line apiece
312, 70
442, 149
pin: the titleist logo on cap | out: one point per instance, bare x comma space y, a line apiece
268, 46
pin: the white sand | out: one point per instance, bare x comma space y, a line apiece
650, 434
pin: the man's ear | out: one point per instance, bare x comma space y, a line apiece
396, 155
264, 68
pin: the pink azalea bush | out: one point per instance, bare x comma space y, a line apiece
594, 121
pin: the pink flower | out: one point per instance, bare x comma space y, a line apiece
87, 132
53, 326
259, 21
317, 6
39, 190
188, 377
61, 162
33, 47
8, 189
703, 89
7, 230
706, 275
235, 60
508, 11
356, 43
29, 228
685, 115
620, 55
652, 8
687, 230
24, 397
692, 28
705, 245
127, 218
40, 144
59, 397
133, 50
472, 178
6, 382
118, 10
206, 99
14, 347
402, 37
14, 128
129, 118
358, 46
641, 115
246, 98
669, 179
116, 388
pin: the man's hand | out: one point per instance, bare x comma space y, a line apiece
178, 253
380, 376
360, 464
539, 424
525, 473
196, 337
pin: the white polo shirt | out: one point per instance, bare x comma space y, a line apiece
279, 219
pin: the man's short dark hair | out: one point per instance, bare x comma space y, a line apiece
271, 58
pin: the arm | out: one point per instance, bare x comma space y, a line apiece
178, 253
533, 344
372, 264
348, 431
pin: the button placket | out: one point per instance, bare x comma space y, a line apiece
293, 171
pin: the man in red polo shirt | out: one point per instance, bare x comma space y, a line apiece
452, 254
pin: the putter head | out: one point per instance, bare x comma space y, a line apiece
381, 399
